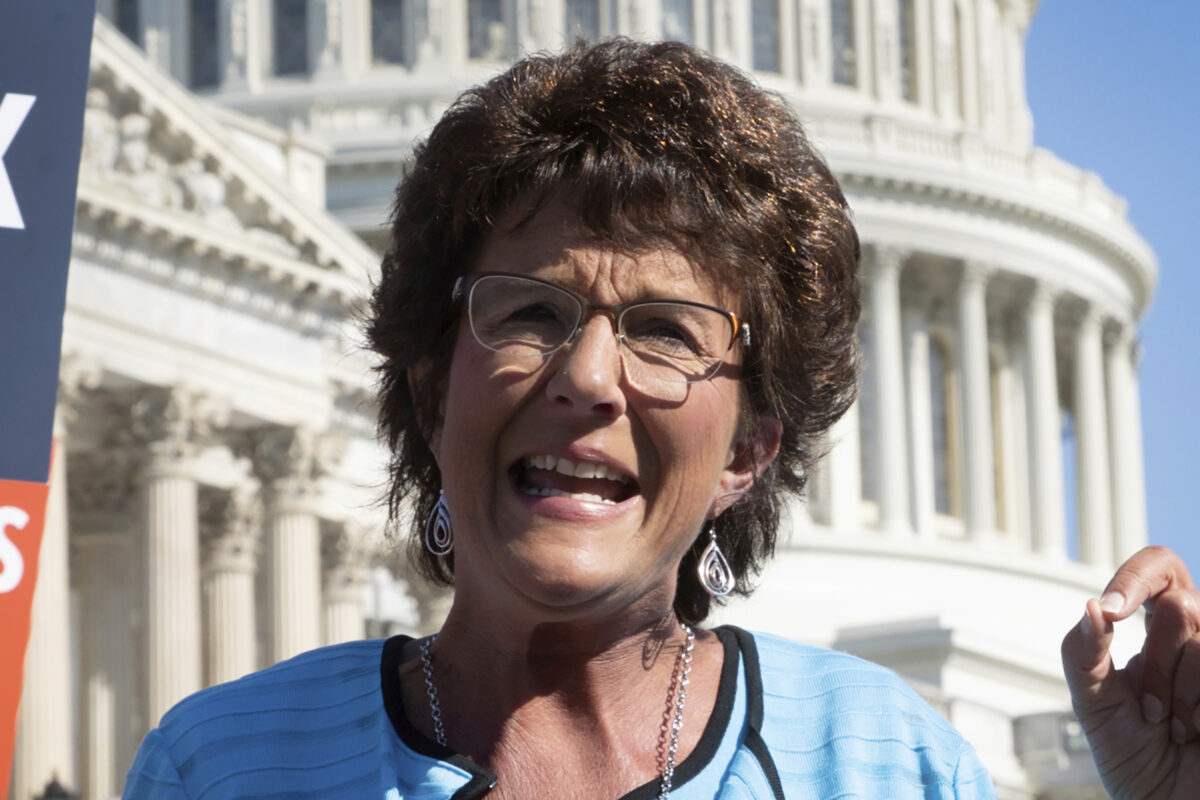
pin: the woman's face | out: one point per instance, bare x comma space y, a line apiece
571, 545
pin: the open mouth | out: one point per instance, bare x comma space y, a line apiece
550, 476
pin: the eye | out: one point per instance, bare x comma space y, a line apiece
663, 334
536, 313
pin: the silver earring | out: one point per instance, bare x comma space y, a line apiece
439, 537
715, 575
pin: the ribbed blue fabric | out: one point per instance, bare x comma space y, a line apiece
816, 725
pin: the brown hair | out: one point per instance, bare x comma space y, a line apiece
658, 144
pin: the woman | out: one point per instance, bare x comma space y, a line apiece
616, 316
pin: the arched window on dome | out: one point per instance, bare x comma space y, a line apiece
906, 27
487, 34
389, 39
128, 20
678, 22
843, 49
941, 392
583, 19
290, 36
764, 35
202, 44
1070, 465
868, 396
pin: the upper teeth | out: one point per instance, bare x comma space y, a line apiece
582, 469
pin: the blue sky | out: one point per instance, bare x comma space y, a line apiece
1115, 88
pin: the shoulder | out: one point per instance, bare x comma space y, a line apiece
839, 718
321, 707
312, 683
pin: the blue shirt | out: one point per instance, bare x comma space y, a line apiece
790, 721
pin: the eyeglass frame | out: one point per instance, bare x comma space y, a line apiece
739, 329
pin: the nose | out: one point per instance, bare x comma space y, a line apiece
587, 371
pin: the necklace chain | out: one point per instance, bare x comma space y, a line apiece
668, 736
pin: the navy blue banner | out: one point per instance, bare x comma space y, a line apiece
44, 49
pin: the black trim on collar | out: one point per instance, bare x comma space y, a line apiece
482, 779
714, 731
754, 710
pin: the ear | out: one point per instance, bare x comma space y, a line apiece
432, 429
749, 457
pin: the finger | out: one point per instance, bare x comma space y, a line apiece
1176, 622
1088, 666
1141, 579
1185, 721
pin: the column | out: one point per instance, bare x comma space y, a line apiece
884, 38
104, 524
46, 719
891, 423
172, 422
105, 554
231, 559
979, 467
845, 478
1125, 435
925, 55
172, 580
920, 421
288, 462
326, 42
1091, 425
1047, 512
346, 577
240, 45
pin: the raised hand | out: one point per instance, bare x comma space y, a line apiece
1143, 721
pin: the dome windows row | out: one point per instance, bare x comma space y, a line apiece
961, 59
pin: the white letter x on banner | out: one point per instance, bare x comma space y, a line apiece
13, 110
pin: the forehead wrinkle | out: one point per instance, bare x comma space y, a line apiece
555, 244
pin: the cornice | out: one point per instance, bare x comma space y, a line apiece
287, 290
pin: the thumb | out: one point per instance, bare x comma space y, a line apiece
1088, 666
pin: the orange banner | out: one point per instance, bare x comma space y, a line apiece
22, 516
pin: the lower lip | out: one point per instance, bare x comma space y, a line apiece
571, 508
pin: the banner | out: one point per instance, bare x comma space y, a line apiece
44, 51
22, 519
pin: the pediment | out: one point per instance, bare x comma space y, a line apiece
159, 159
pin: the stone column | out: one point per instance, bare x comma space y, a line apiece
974, 367
845, 476
326, 42
46, 718
288, 462
105, 556
346, 575
240, 45
891, 423
1125, 434
230, 525
1045, 428
172, 422
1091, 426
104, 523
920, 421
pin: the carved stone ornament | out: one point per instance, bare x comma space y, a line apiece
230, 526
171, 422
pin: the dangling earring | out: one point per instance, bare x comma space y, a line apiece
715, 575
439, 537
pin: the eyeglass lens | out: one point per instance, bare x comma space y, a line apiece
672, 342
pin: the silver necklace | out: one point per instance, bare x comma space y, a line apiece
668, 734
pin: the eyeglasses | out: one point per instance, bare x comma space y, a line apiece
671, 341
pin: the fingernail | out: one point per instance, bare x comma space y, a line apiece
1152, 709
1178, 732
1112, 602
1085, 624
